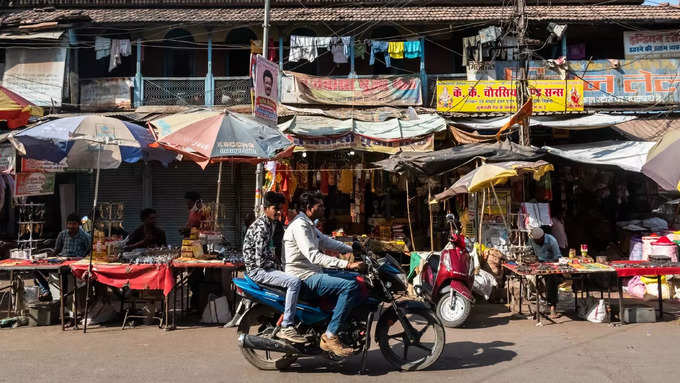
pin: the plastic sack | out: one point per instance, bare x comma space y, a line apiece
484, 283
592, 310
636, 287
653, 289
216, 311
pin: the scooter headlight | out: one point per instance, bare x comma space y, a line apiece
446, 260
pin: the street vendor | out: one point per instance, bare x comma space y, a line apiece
193, 203
147, 234
73, 242
547, 249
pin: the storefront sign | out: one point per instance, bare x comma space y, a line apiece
501, 96
481, 70
375, 91
35, 74
30, 165
651, 44
105, 94
7, 158
632, 82
34, 183
359, 142
266, 90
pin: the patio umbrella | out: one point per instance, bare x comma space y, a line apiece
206, 136
15, 109
488, 175
662, 161
90, 142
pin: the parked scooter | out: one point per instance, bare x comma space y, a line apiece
446, 279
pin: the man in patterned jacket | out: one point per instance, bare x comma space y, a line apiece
263, 266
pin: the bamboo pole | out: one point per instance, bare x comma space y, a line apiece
408, 213
481, 217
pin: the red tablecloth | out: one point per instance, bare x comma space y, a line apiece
634, 270
136, 277
7, 264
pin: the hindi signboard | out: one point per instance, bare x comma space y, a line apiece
34, 183
31, 165
266, 90
373, 91
359, 142
501, 96
651, 44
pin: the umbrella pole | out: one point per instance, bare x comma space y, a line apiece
481, 217
429, 205
94, 212
408, 213
217, 199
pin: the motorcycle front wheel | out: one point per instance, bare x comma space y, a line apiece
411, 355
260, 320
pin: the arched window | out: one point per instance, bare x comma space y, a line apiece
238, 60
302, 66
178, 59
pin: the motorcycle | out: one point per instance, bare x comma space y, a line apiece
409, 335
446, 280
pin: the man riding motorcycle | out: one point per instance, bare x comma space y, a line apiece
302, 244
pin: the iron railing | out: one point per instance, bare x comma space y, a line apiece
232, 90
174, 91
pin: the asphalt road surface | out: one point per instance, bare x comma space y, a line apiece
494, 347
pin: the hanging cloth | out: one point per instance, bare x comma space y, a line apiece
337, 47
302, 47
102, 47
379, 47
413, 49
346, 184
360, 50
396, 49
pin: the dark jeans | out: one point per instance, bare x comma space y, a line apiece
44, 286
340, 284
552, 283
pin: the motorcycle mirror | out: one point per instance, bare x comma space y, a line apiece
450, 218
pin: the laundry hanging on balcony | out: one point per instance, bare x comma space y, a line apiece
306, 47
411, 49
116, 49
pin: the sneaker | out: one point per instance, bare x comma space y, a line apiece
333, 345
291, 335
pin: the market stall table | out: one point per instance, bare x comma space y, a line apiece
182, 267
642, 268
133, 276
542, 269
17, 267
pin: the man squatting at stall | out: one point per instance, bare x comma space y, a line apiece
547, 249
73, 242
302, 242
262, 264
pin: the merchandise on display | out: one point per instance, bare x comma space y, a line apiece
156, 255
31, 225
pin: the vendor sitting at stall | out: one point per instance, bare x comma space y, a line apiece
147, 234
73, 242
547, 249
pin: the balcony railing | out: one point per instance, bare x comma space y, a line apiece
174, 91
232, 90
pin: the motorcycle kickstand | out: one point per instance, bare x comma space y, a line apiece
367, 344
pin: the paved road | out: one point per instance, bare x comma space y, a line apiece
494, 348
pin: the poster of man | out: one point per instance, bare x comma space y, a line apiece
266, 90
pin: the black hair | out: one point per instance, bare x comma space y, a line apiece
273, 198
192, 195
309, 199
269, 74
146, 212
73, 217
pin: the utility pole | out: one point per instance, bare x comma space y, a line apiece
522, 84
259, 172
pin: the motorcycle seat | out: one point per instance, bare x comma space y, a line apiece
278, 290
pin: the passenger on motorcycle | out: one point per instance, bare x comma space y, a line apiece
262, 264
302, 244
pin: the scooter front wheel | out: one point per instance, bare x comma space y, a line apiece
453, 314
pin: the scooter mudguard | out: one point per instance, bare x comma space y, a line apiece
462, 289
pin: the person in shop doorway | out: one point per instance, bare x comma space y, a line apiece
73, 242
547, 249
197, 277
147, 234
558, 230
320, 273
262, 264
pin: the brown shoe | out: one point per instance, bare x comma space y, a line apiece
333, 345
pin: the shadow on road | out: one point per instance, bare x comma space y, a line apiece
457, 355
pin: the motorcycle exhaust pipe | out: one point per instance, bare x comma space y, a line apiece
266, 344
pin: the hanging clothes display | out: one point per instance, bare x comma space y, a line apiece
339, 50
346, 183
413, 49
102, 47
360, 50
379, 47
396, 49
119, 48
302, 47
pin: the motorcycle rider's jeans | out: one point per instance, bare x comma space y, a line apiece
290, 282
341, 284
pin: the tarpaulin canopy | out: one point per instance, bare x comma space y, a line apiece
391, 129
441, 161
591, 121
493, 174
15, 109
663, 165
651, 129
628, 155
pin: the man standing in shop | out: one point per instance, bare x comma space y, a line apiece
547, 249
196, 278
302, 243
148, 234
262, 264
73, 242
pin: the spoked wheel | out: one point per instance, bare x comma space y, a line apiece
261, 320
416, 354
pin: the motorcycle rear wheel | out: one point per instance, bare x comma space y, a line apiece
252, 323
395, 347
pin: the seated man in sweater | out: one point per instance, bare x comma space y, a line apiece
302, 243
